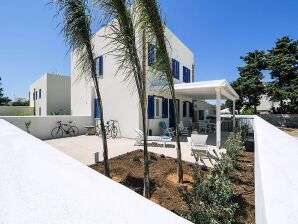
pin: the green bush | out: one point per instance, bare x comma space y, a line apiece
212, 199
23, 114
248, 111
136, 158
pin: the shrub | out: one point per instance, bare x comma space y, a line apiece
23, 114
212, 199
136, 158
248, 111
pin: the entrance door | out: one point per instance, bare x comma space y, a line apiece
172, 113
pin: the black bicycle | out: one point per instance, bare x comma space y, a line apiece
111, 129
58, 132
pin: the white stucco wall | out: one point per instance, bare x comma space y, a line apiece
120, 99
41, 126
55, 94
276, 177
13, 110
40, 184
41, 83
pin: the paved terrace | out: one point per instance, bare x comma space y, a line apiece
83, 147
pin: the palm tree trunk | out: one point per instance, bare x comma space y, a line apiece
146, 192
103, 130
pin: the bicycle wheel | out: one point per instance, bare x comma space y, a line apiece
114, 132
73, 130
57, 132
97, 130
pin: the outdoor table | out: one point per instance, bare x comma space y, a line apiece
90, 130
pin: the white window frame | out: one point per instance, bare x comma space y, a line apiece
157, 113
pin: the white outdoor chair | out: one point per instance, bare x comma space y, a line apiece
165, 130
183, 130
140, 137
202, 126
198, 146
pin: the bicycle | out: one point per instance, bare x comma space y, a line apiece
57, 132
111, 129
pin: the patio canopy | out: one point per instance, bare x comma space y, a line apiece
210, 90
206, 90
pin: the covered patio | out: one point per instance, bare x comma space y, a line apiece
210, 90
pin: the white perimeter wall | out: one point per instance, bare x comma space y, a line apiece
41, 126
13, 110
40, 184
276, 176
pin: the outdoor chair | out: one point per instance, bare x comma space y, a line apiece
183, 130
202, 126
165, 130
140, 138
198, 146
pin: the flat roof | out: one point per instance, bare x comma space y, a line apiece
206, 90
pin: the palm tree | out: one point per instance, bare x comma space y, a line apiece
123, 39
150, 11
77, 33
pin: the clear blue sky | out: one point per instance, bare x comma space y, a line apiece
217, 31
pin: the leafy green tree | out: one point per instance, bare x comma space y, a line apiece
20, 103
149, 12
77, 33
249, 85
3, 99
283, 66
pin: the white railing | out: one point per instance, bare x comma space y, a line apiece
276, 174
40, 184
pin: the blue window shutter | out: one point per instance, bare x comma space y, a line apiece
173, 67
150, 107
100, 65
165, 107
96, 109
178, 70
184, 109
191, 109
151, 54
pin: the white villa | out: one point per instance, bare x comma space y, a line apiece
120, 100
50, 94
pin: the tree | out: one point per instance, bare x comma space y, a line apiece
20, 103
150, 12
283, 66
3, 99
249, 85
124, 28
77, 33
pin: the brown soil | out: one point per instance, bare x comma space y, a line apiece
127, 169
290, 131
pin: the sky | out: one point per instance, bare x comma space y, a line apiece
217, 31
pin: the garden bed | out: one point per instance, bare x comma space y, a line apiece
290, 131
127, 169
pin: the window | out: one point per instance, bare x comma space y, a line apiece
99, 65
187, 109
151, 54
96, 109
39, 93
186, 74
39, 111
33, 95
151, 107
175, 68
36, 95
158, 107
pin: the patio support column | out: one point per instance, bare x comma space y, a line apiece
234, 119
218, 119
